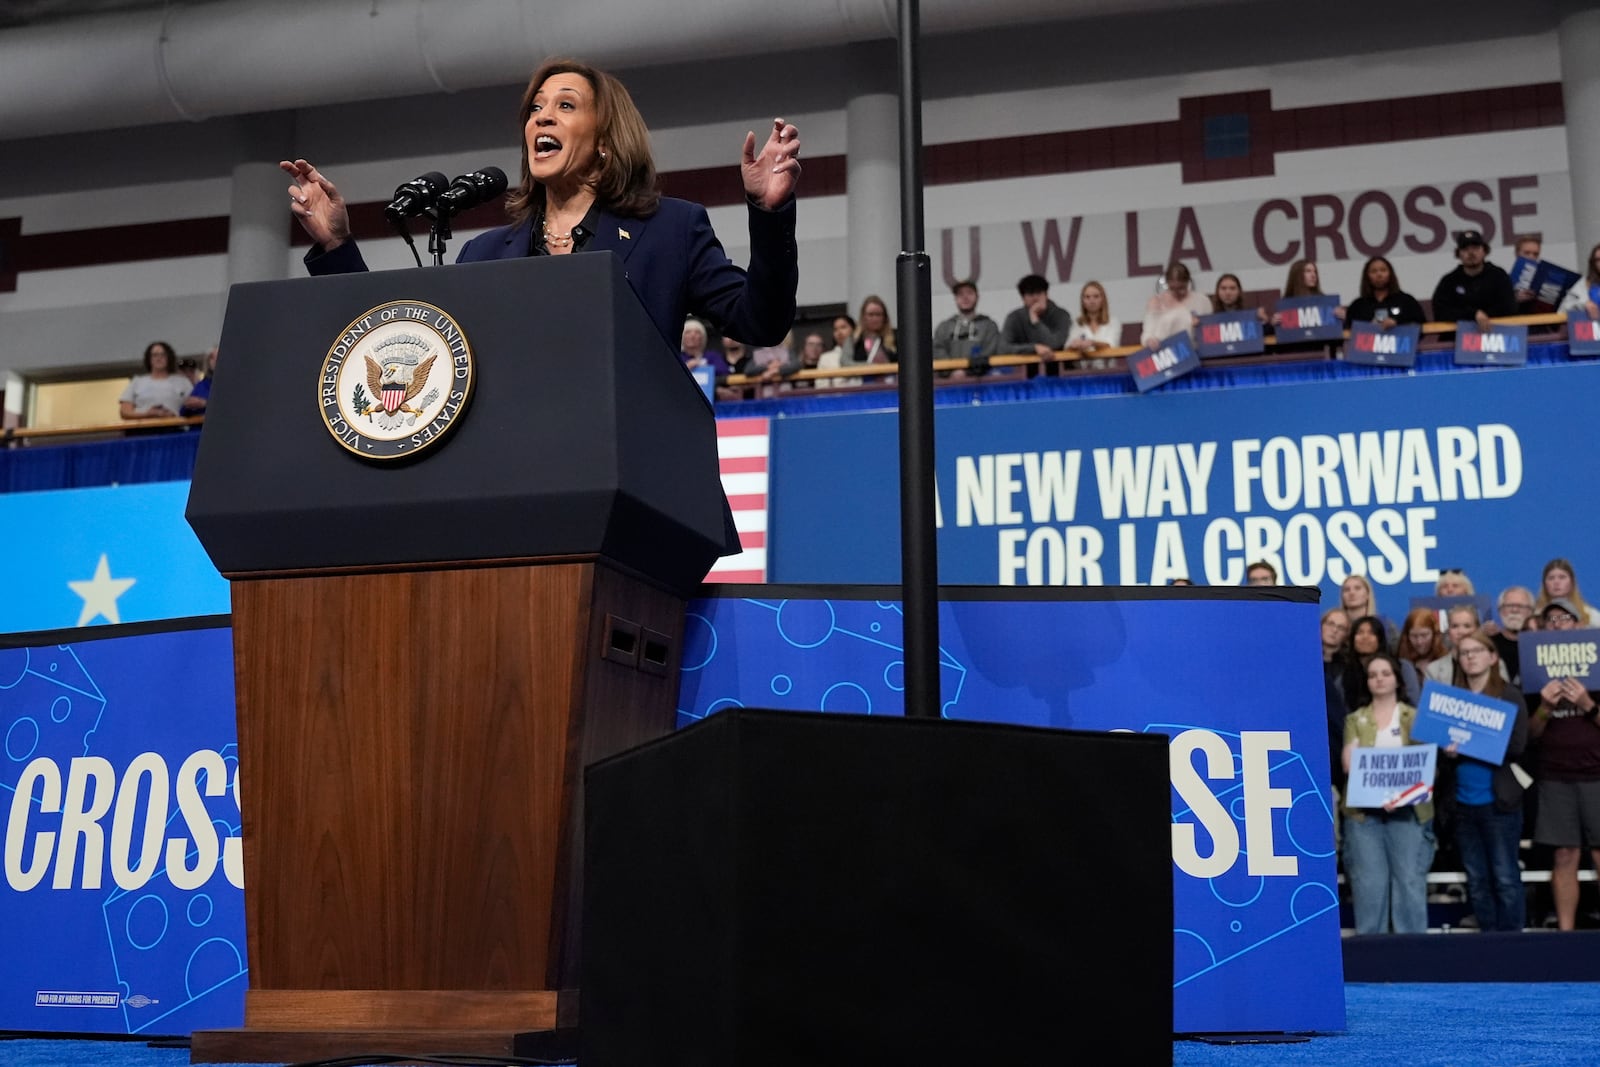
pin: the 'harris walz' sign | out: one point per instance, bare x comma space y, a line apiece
1158, 365
1230, 333
1498, 346
1547, 654
1374, 346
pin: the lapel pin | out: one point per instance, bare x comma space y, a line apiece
624, 234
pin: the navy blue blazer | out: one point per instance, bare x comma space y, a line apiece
674, 263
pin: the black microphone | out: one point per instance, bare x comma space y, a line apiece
415, 196
470, 190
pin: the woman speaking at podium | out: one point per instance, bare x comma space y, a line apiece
589, 184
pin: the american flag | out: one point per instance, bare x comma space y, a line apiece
742, 450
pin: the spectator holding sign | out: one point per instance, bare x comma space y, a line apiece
1229, 296
1175, 307
1561, 581
1477, 290
1387, 852
1586, 294
1382, 301
1529, 246
1567, 725
1481, 803
1304, 280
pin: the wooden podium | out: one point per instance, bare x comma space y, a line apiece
429, 652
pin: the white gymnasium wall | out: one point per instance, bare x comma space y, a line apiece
91, 314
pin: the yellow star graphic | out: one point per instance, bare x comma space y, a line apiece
100, 594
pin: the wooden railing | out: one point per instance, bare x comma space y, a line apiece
25, 435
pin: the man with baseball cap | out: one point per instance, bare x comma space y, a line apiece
966, 334
1477, 289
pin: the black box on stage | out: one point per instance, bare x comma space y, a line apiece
766, 889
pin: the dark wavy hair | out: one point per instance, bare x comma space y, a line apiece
1367, 292
626, 183
172, 356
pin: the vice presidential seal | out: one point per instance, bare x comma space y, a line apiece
396, 381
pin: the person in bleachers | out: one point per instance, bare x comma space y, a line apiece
1387, 853
1528, 246
1261, 573
1515, 608
1481, 803
842, 352
1585, 292
1335, 629
1303, 279
874, 337
1368, 638
1567, 797
968, 334
810, 358
1460, 620
1358, 598
1095, 328
1477, 290
200, 394
1040, 326
1560, 580
694, 351
1420, 643
1229, 296
1175, 307
1382, 300
1453, 581
159, 392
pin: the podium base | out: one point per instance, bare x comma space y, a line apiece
242, 1045
296, 1025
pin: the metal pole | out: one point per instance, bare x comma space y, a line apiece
919, 557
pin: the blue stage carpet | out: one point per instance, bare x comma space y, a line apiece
1492, 1024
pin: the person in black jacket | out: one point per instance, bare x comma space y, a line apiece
1477, 289
1382, 301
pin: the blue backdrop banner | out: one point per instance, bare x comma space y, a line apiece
1393, 477
123, 874
1233, 677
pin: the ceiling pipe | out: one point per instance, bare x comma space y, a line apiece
233, 57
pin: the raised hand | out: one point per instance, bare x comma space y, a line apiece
316, 202
770, 178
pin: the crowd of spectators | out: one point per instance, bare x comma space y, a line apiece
1546, 790
1475, 290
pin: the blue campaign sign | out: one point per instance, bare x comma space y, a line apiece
1548, 654
1172, 358
1308, 318
1230, 333
1479, 725
1550, 285
89, 557
1498, 346
1374, 346
705, 376
122, 895
1396, 477
1232, 676
1523, 273
1583, 333
1398, 776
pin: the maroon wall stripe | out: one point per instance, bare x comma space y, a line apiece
1065, 152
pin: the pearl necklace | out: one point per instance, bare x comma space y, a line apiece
555, 240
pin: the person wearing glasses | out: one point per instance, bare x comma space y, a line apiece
1567, 804
1481, 802
1515, 609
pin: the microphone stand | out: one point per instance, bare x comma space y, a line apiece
438, 234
